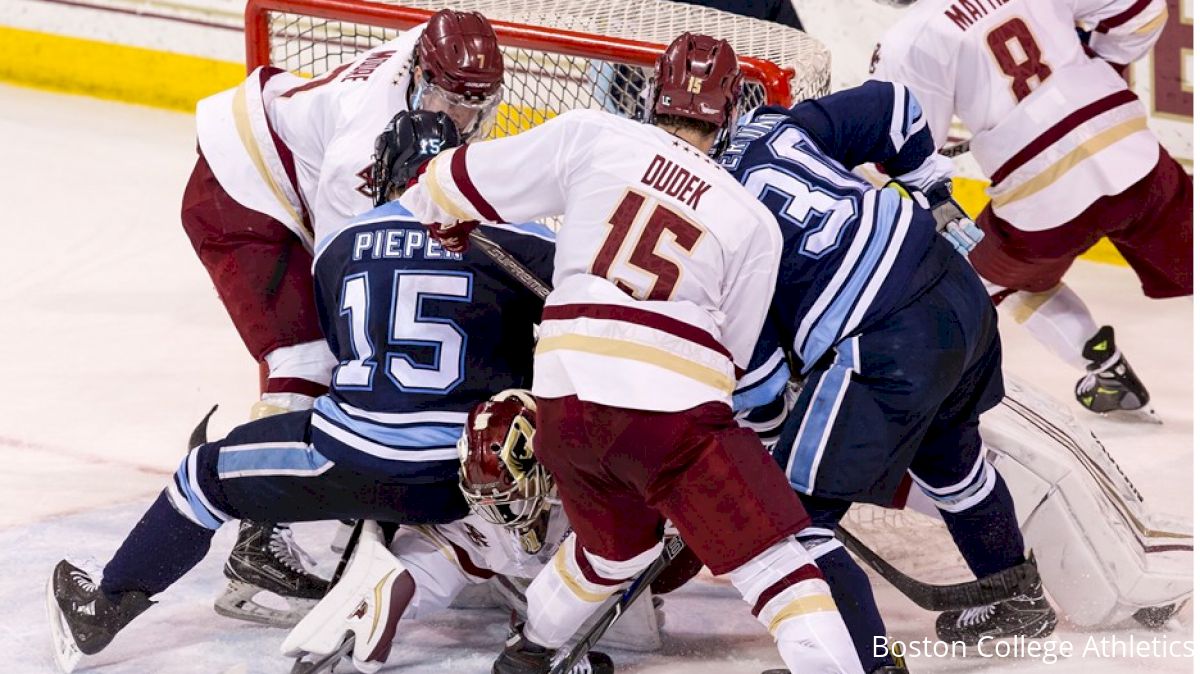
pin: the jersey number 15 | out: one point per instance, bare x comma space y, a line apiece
407, 325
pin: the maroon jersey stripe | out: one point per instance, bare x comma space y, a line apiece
1122, 18
618, 312
314, 83
464, 562
1062, 128
458, 171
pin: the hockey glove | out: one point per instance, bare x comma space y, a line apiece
455, 237
951, 221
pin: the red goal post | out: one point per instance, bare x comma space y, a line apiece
560, 54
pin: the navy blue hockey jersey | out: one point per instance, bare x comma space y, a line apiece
849, 249
422, 336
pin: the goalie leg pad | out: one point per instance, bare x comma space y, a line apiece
367, 602
1101, 553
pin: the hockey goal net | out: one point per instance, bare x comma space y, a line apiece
560, 54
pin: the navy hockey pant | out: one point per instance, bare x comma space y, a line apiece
267, 471
903, 399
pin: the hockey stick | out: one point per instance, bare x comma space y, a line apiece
956, 149
592, 634
510, 264
199, 434
980, 592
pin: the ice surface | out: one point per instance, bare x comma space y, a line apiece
114, 344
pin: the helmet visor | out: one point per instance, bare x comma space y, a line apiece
474, 117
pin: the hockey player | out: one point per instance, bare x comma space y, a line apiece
514, 529
419, 340
283, 161
663, 272
1069, 154
896, 340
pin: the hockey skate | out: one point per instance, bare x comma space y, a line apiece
1110, 384
83, 620
1027, 615
266, 559
522, 656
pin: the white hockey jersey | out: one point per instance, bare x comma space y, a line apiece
445, 558
664, 265
1054, 127
300, 150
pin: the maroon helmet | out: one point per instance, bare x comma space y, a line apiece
462, 71
458, 52
498, 473
698, 77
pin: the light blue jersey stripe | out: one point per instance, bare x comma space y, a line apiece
202, 514
831, 325
251, 460
408, 437
764, 391
391, 213
809, 444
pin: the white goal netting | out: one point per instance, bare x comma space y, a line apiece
543, 81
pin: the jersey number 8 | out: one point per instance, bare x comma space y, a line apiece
1019, 56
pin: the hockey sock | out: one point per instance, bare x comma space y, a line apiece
1058, 319
986, 532
852, 593
160, 549
572, 587
791, 599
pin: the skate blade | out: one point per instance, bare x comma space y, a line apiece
1144, 415
66, 654
237, 602
326, 662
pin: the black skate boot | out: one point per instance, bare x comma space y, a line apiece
83, 620
1110, 384
522, 656
266, 559
1026, 615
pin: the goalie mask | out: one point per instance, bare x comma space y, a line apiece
501, 479
462, 71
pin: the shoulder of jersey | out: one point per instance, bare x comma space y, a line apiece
391, 212
913, 26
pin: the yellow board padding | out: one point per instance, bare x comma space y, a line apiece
111, 71
971, 194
